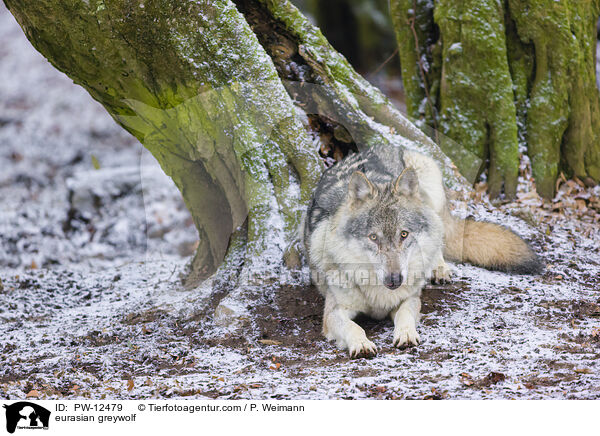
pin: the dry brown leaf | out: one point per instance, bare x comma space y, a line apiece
338, 155
571, 184
493, 378
325, 149
269, 342
130, 384
579, 182
529, 195
33, 394
466, 379
581, 205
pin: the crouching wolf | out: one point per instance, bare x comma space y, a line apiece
377, 228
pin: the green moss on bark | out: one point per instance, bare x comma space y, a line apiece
521, 62
513, 69
546, 26
581, 146
476, 100
415, 33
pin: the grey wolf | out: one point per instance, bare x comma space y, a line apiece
378, 228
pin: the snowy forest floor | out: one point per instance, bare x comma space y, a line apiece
94, 237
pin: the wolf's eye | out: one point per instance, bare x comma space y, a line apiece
404, 234
373, 237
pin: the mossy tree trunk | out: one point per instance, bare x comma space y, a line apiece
493, 75
220, 93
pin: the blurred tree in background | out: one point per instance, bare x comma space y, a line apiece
359, 29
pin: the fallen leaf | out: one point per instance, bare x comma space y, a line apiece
466, 379
269, 342
95, 162
494, 377
130, 384
579, 182
338, 155
33, 394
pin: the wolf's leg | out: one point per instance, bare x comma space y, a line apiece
441, 271
405, 319
338, 326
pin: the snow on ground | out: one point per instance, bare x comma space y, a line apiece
91, 304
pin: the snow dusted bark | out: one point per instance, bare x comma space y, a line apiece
219, 92
491, 75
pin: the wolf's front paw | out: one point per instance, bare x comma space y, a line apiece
362, 348
406, 336
442, 274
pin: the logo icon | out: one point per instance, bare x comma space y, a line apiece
26, 415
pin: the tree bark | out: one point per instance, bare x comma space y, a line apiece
220, 93
494, 76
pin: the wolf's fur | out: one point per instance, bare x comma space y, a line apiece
377, 228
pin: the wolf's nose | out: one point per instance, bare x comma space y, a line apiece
393, 280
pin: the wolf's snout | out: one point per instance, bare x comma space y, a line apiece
393, 280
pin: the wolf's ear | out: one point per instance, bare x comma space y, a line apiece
360, 188
407, 182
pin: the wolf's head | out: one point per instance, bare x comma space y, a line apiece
389, 228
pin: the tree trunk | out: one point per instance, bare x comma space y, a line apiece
228, 97
496, 75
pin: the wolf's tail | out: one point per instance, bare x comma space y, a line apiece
488, 245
